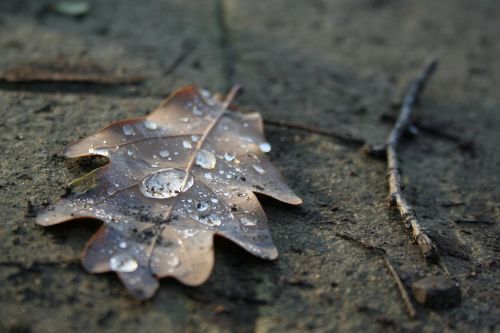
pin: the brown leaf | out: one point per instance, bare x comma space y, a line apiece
176, 178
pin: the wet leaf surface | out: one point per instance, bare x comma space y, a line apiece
175, 179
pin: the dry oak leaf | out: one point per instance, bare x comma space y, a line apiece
176, 178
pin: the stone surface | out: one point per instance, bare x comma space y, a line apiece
437, 292
338, 65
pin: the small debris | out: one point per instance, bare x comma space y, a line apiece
437, 292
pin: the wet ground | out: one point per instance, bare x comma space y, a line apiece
336, 65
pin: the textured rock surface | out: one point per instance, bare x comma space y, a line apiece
337, 65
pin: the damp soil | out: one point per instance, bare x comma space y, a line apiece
338, 66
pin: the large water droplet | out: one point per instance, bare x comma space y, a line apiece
128, 130
164, 153
165, 183
186, 144
265, 147
205, 159
123, 263
259, 169
229, 156
150, 125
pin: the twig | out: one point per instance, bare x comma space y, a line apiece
395, 276
346, 139
396, 197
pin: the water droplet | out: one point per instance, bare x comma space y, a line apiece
184, 119
259, 169
164, 153
150, 125
208, 175
130, 152
128, 130
205, 159
214, 219
265, 147
194, 138
123, 245
229, 156
205, 93
242, 194
173, 261
214, 200
221, 172
165, 183
248, 222
186, 144
123, 263
202, 206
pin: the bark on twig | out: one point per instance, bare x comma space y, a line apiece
395, 276
396, 196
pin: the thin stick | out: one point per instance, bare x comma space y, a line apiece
396, 197
395, 276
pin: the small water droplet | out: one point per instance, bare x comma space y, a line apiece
128, 130
186, 144
265, 147
184, 119
221, 172
150, 125
130, 152
229, 156
214, 219
242, 194
205, 93
164, 153
208, 175
214, 200
194, 138
202, 206
123, 263
173, 261
205, 159
123, 245
247, 221
165, 183
259, 169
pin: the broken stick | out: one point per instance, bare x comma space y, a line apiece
395, 276
389, 149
